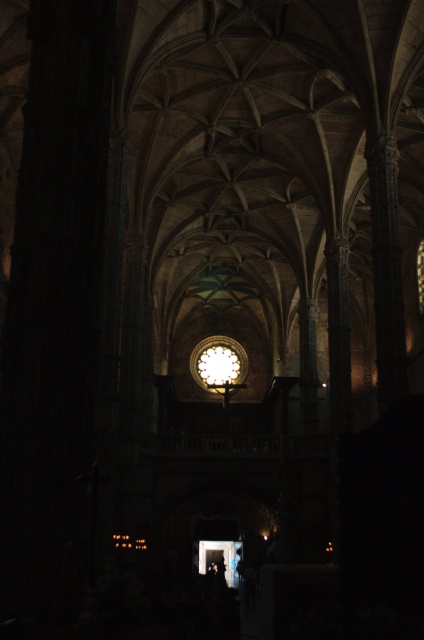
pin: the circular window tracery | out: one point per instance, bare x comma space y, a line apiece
217, 360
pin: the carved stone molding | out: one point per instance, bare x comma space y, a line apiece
326, 74
119, 153
413, 112
308, 319
337, 252
380, 152
308, 310
337, 257
367, 369
112, 270
382, 161
149, 395
136, 247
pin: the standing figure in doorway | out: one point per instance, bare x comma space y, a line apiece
240, 568
221, 568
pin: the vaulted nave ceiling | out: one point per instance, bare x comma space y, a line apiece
247, 124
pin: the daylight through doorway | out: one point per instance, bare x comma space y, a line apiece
212, 551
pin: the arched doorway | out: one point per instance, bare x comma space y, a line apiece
217, 520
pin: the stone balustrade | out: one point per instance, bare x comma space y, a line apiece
235, 445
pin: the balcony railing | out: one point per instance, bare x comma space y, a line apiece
230, 445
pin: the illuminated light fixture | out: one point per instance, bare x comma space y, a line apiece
217, 360
122, 541
140, 544
329, 551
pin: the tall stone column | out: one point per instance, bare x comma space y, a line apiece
150, 391
162, 358
370, 413
166, 402
110, 327
367, 366
382, 157
50, 336
340, 393
308, 319
132, 334
131, 391
285, 356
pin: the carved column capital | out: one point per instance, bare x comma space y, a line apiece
337, 251
118, 140
308, 310
381, 151
382, 163
136, 245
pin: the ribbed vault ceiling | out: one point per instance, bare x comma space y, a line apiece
247, 126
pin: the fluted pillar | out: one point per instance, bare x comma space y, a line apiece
110, 327
150, 391
166, 402
132, 332
382, 161
131, 387
308, 319
50, 337
162, 358
340, 392
111, 292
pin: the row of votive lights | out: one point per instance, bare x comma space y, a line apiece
124, 542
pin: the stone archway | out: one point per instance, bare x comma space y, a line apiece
216, 514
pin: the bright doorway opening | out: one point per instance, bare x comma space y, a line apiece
211, 551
